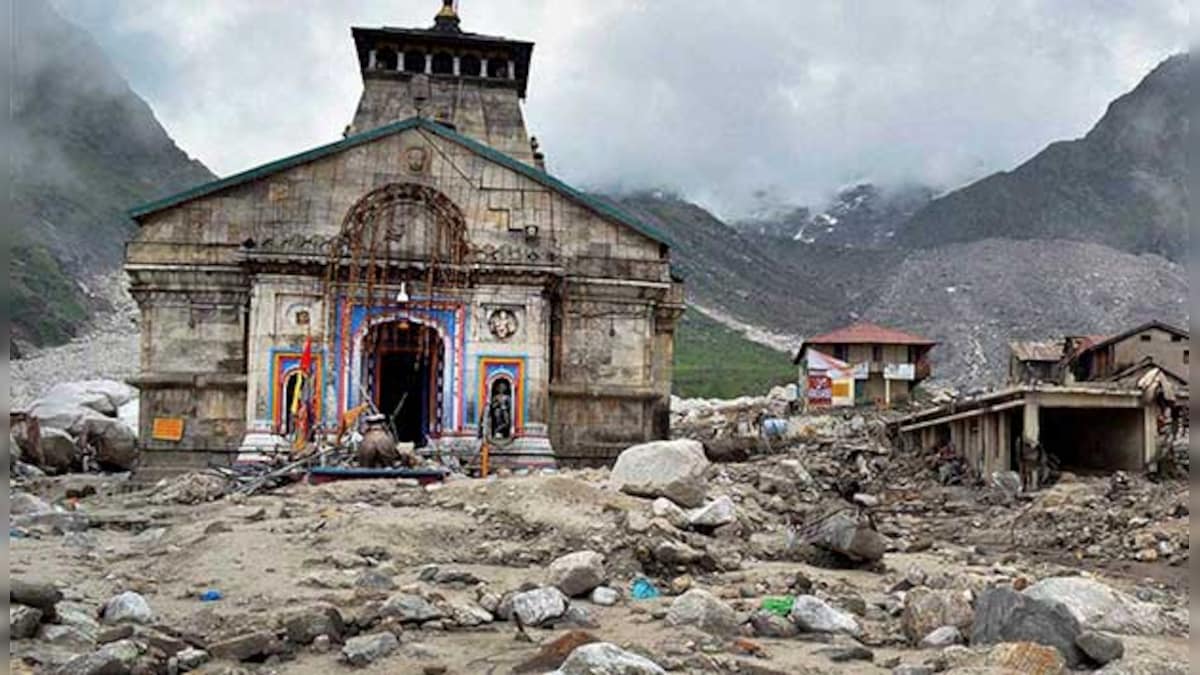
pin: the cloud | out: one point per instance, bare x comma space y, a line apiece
713, 99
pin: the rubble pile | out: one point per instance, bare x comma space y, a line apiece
825, 551
74, 427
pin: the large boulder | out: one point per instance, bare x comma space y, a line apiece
926, 610
59, 451
672, 469
537, 606
847, 534
812, 615
100, 396
37, 594
115, 443
1004, 615
604, 658
1097, 606
307, 624
128, 607
577, 573
704, 610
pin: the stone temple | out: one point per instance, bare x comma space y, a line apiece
430, 265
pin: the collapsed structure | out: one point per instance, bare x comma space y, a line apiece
1091, 403
425, 264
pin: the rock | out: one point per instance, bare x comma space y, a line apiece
38, 594
58, 450
114, 633
579, 617
410, 608
127, 651
305, 625
844, 533
373, 579
94, 663
720, 511
1027, 658
468, 614
849, 653
322, 644
926, 609
942, 637
365, 649
811, 615
256, 645
532, 608
191, 658
669, 511
605, 658
1097, 606
1004, 615
1100, 648
24, 503
115, 443
771, 625
190, 488
676, 553
577, 573
912, 669
605, 596
127, 606
23, 621
552, 654
672, 469
702, 609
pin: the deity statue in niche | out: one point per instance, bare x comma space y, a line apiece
500, 413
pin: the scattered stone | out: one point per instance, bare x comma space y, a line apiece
1099, 607
127, 607
704, 610
811, 615
24, 503
371, 578
912, 669
927, 609
305, 625
577, 573
605, 596
846, 534
1004, 615
672, 469
322, 644
669, 511
23, 621
468, 614
942, 637
190, 488
94, 663
720, 511
410, 608
365, 649
38, 594
534, 607
605, 658
772, 625
1100, 648
257, 645
191, 658
1027, 658
114, 633
676, 553
844, 654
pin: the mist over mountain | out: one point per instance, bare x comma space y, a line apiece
86, 148
1122, 184
864, 215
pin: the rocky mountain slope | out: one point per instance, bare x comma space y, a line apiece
86, 148
1123, 184
863, 215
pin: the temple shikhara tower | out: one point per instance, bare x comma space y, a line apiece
426, 263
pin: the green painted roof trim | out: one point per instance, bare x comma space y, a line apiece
600, 207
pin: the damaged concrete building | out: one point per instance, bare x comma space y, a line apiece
430, 265
1080, 403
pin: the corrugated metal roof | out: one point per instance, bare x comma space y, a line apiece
868, 333
1037, 350
600, 207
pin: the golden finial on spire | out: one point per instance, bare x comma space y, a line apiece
448, 11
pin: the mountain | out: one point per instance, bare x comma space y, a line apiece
86, 148
1122, 185
863, 215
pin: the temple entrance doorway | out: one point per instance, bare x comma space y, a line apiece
403, 361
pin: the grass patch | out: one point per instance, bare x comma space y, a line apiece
714, 361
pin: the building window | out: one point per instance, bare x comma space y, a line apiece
443, 64
841, 352
1186, 355
386, 59
1176, 338
877, 353
470, 66
414, 61
1145, 337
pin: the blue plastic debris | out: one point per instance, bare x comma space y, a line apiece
211, 595
643, 590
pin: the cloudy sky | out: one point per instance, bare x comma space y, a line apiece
717, 100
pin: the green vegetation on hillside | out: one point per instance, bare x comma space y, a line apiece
714, 361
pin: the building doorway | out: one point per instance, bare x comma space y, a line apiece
403, 362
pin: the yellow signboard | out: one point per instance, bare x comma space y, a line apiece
167, 429
841, 388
